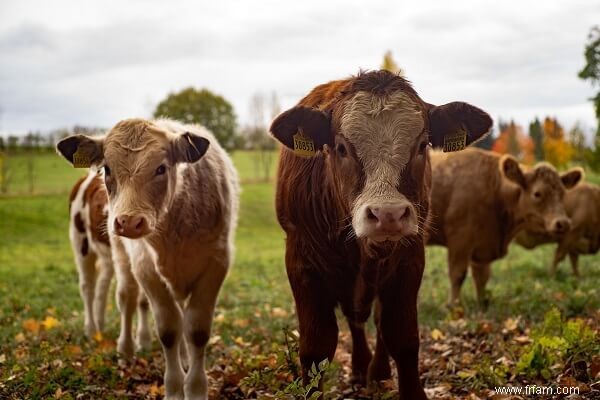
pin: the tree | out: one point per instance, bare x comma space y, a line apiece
556, 149
591, 73
389, 64
513, 141
192, 106
591, 70
537, 137
257, 137
577, 143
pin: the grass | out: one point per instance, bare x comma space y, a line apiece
253, 345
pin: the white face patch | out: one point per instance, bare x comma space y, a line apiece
383, 131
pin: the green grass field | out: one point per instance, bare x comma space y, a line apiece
253, 345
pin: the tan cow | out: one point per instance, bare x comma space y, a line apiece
582, 204
173, 201
480, 201
96, 260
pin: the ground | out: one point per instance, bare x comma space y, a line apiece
538, 330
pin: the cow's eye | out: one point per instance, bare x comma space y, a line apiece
537, 194
422, 147
161, 169
341, 150
106, 170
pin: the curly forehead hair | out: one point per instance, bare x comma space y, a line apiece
548, 174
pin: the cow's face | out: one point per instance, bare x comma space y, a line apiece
376, 145
542, 190
140, 163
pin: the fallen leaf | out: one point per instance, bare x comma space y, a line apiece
466, 373
31, 325
436, 334
50, 323
279, 312
58, 394
2, 358
511, 324
73, 350
20, 337
98, 337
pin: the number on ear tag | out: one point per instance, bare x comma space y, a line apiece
81, 160
455, 142
303, 146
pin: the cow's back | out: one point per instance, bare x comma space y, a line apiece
583, 207
465, 196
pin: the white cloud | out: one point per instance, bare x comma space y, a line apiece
95, 62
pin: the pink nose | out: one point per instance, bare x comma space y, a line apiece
131, 226
389, 218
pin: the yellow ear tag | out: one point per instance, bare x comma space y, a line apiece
81, 160
303, 146
455, 142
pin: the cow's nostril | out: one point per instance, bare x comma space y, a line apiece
371, 215
406, 213
139, 225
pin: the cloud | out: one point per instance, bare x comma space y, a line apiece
97, 62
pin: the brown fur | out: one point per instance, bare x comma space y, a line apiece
326, 263
582, 204
480, 201
95, 195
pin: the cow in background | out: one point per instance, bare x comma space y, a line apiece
582, 204
173, 202
97, 256
481, 200
353, 197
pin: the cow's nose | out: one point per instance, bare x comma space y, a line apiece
389, 218
562, 225
131, 226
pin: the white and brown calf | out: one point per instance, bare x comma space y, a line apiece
173, 202
96, 261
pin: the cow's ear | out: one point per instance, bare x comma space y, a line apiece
302, 129
509, 167
572, 177
81, 151
455, 125
189, 147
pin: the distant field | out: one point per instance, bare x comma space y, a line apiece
38, 279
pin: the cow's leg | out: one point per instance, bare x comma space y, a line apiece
126, 294
198, 317
399, 327
105, 274
168, 317
361, 354
458, 263
86, 264
144, 337
316, 319
559, 255
574, 258
379, 369
357, 315
481, 275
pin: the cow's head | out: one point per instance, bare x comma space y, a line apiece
140, 161
375, 137
541, 193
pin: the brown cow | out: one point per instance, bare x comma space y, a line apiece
582, 204
479, 203
353, 198
173, 203
97, 258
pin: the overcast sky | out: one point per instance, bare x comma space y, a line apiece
95, 62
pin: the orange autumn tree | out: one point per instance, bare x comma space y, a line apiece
557, 150
512, 140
